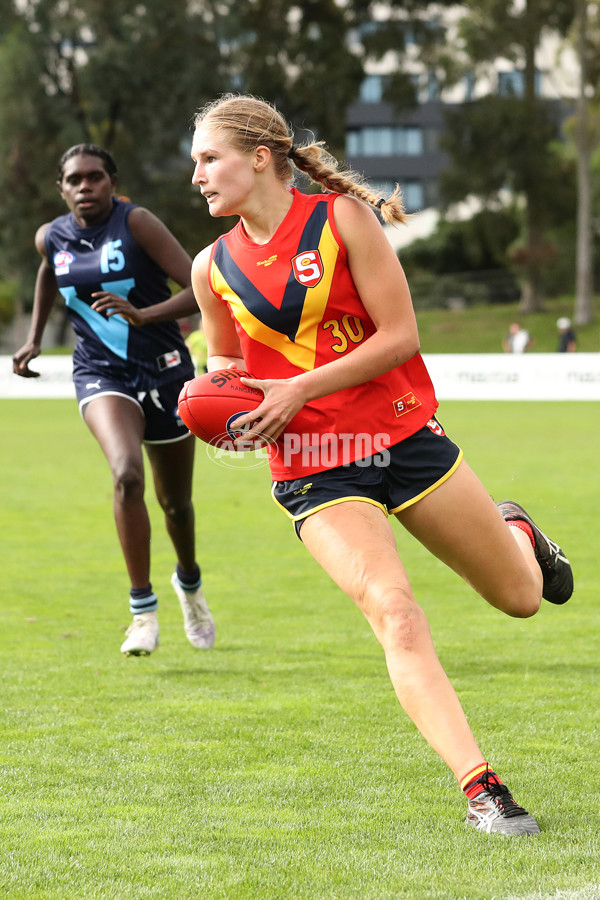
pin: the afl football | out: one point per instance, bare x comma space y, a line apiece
209, 405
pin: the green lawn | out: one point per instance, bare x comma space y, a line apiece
480, 329
279, 765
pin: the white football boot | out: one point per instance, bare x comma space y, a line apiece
142, 637
197, 619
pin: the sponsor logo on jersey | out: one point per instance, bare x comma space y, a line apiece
62, 260
308, 268
435, 426
267, 262
406, 404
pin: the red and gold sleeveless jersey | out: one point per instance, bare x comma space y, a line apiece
295, 307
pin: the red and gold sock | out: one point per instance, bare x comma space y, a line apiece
471, 783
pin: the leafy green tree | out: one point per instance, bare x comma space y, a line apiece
506, 141
464, 259
130, 76
297, 56
586, 139
127, 77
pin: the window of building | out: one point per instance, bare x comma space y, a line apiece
433, 86
510, 83
353, 143
513, 83
385, 140
377, 141
413, 192
371, 89
414, 195
409, 141
469, 84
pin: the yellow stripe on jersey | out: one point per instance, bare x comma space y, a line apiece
300, 352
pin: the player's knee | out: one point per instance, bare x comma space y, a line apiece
128, 482
524, 607
177, 511
400, 623
521, 599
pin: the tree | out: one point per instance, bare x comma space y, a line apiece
130, 76
298, 56
123, 76
587, 136
506, 141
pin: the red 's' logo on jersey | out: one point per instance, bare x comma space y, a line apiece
308, 268
406, 404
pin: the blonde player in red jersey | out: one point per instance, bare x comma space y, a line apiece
306, 293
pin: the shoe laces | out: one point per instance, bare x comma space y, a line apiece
501, 795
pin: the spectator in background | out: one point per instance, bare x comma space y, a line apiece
518, 339
567, 339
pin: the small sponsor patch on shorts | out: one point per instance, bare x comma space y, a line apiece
168, 360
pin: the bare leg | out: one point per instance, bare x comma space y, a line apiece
172, 468
355, 544
118, 425
460, 523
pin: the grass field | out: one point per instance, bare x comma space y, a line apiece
480, 329
279, 765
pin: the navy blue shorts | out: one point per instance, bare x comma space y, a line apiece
158, 405
390, 480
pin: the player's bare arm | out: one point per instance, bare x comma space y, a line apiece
221, 337
43, 300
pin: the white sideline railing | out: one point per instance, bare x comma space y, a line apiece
460, 376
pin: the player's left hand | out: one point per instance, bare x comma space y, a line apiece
283, 399
111, 304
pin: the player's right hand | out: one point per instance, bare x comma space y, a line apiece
21, 361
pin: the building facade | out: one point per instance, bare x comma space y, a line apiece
390, 145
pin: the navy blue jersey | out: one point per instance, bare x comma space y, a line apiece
105, 257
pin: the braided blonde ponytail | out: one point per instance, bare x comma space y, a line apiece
321, 167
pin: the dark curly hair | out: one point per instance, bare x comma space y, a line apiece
88, 150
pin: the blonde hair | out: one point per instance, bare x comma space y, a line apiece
250, 122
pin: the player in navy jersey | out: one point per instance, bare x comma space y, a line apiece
307, 294
111, 261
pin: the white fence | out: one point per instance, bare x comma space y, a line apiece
471, 376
